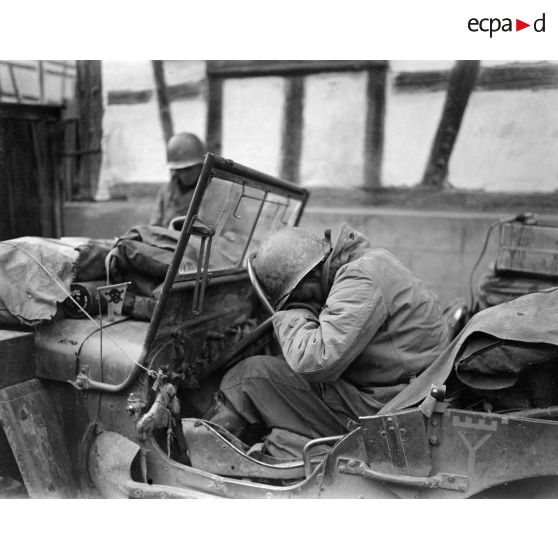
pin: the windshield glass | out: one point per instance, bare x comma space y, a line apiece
241, 213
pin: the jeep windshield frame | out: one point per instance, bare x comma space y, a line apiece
264, 196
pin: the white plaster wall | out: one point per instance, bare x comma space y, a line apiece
410, 126
181, 71
56, 89
420, 65
133, 145
252, 121
508, 142
334, 124
188, 115
411, 121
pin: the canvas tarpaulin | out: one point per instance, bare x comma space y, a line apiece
35, 274
530, 318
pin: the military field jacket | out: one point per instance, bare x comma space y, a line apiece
380, 325
171, 202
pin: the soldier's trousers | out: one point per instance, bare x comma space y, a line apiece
264, 390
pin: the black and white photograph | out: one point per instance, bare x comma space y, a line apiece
278, 279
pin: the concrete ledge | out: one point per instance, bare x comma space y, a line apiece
105, 219
440, 247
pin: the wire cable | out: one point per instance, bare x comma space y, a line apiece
481, 256
527, 218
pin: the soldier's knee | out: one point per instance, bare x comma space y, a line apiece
253, 368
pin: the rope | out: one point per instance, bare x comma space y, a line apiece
58, 283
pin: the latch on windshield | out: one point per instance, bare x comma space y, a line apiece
206, 234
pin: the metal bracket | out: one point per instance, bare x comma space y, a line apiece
206, 233
286, 206
449, 481
238, 203
306, 456
444, 481
135, 404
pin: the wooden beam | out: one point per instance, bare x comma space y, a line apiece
163, 99
538, 75
462, 81
374, 128
19, 65
127, 97
520, 75
62, 64
60, 73
38, 134
22, 98
46, 138
54, 158
14, 83
25, 112
63, 85
69, 169
254, 68
186, 90
41, 71
292, 134
90, 115
214, 129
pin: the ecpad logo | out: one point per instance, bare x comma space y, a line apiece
494, 24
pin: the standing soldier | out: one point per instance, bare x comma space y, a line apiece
185, 153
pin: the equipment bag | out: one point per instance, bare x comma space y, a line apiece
142, 256
524, 373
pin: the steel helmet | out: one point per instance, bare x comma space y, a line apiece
285, 258
184, 150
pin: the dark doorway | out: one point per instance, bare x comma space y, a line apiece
30, 194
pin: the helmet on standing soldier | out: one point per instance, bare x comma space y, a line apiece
184, 150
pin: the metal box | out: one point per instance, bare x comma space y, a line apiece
528, 249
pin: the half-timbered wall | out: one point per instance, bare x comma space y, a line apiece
350, 126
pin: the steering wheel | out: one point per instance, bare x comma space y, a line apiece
257, 286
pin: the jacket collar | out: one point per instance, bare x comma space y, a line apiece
350, 246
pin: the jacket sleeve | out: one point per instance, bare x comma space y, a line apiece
322, 347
